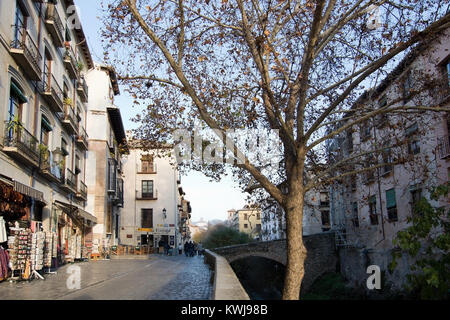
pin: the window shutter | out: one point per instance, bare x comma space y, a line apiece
390, 198
15, 90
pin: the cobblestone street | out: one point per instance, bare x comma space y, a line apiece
157, 278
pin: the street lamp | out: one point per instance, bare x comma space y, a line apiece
164, 213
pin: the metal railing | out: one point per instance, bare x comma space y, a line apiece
83, 85
50, 85
71, 179
52, 14
82, 189
17, 136
147, 195
69, 55
69, 114
48, 164
82, 135
444, 147
23, 40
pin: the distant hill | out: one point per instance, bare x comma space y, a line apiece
216, 221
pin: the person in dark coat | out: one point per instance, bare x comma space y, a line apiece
186, 248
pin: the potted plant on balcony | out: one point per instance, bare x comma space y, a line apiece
67, 101
80, 65
43, 151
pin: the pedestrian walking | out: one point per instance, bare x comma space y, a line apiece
186, 248
180, 249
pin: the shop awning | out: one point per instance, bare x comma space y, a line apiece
75, 212
29, 191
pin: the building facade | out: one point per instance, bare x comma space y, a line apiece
107, 144
368, 210
154, 204
43, 96
247, 220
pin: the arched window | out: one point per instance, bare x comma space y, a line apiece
16, 100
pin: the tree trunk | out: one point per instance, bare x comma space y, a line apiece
296, 251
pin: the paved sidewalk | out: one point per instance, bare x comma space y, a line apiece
157, 278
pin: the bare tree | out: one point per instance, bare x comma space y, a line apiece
292, 66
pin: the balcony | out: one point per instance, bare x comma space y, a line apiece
49, 168
147, 196
20, 144
68, 120
70, 63
82, 89
54, 25
69, 182
148, 169
444, 147
52, 93
26, 53
81, 191
82, 139
118, 199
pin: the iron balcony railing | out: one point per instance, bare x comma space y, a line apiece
49, 165
19, 137
52, 15
51, 86
69, 115
69, 57
82, 86
82, 189
24, 41
82, 136
444, 147
147, 195
71, 179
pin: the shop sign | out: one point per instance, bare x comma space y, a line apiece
145, 229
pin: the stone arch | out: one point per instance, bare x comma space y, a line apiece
266, 255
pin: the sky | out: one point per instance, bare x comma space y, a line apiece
209, 200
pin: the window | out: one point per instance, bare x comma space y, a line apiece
387, 159
412, 139
245, 225
408, 85
382, 118
147, 164
112, 178
416, 195
391, 205
349, 141
77, 165
324, 201
16, 100
64, 148
373, 210
147, 189
370, 174
147, 218
258, 216
20, 23
325, 215
448, 72
365, 131
245, 216
258, 227
46, 128
355, 218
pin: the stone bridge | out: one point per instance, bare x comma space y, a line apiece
321, 257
